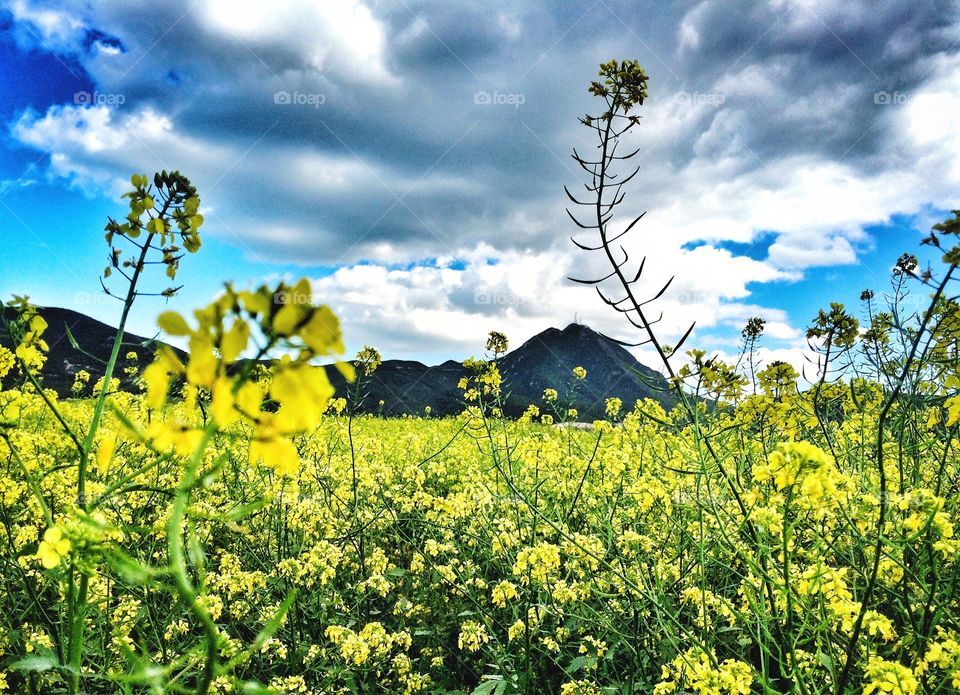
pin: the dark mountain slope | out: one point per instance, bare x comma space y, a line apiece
95, 340
548, 359
404, 386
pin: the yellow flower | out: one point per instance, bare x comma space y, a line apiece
322, 332
302, 391
235, 341
221, 406
953, 410
249, 399
581, 687
277, 453
105, 452
172, 323
287, 319
503, 592
32, 357
889, 677
202, 367
537, 562
53, 548
165, 436
473, 635
695, 672
613, 406
156, 377
6, 361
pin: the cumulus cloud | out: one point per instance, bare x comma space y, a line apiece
449, 307
351, 136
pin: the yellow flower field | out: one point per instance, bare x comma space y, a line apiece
480, 555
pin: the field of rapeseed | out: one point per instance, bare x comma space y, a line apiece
237, 527
475, 554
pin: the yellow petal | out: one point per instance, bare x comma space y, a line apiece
202, 367
173, 323
235, 341
256, 303
249, 398
287, 319
157, 381
105, 452
222, 405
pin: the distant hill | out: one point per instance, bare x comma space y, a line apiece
406, 386
548, 358
95, 340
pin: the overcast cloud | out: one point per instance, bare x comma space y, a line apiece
337, 134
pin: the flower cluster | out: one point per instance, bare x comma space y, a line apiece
227, 329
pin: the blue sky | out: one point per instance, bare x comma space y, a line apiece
410, 157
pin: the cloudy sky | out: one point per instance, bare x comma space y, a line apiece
410, 155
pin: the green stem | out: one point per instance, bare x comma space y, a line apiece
178, 564
79, 607
77, 617
108, 372
31, 481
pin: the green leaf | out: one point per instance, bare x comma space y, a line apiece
195, 549
129, 569
70, 338
577, 663
245, 510
35, 664
491, 685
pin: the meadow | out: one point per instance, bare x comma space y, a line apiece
245, 550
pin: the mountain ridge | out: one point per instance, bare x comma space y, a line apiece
546, 360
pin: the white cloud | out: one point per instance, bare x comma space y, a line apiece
297, 194
450, 307
58, 28
344, 34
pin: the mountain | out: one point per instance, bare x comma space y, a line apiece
548, 359
545, 361
95, 340
404, 386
